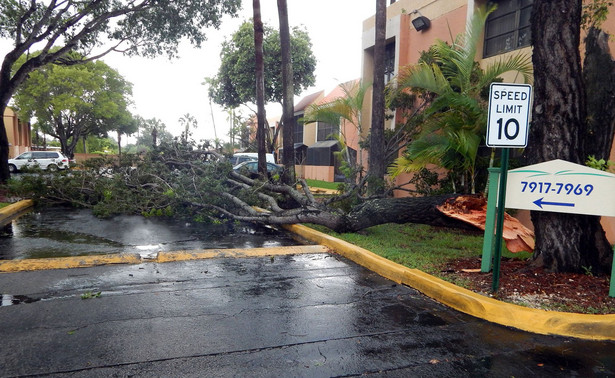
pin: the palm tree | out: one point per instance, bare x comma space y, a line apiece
288, 158
453, 125
188, 120
260, 86
348, 108
377, 160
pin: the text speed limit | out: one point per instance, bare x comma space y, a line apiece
509, 111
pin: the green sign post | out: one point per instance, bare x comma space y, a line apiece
499, 226
507, 127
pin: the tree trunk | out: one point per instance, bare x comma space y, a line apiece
564, 242
599, 79
5, 95
260, 88
420, 210
4, 148
7, 88
288, 157
119, 144
377, 160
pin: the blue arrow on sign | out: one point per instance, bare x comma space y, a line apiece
540, 202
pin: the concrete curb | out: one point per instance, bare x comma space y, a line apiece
249, 252
11, 210
25, 265
584, 326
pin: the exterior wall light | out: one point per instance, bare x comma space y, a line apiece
421, 22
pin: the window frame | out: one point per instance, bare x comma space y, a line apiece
518, 8
298, 128
329, 129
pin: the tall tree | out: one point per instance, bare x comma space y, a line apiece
146, 129
377, 159
564, 242
72, 102
260, 87
233, 85
95, 28
188, 121
288, 157
125, 124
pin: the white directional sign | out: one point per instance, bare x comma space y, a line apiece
563, 187
509, 112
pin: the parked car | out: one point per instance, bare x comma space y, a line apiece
238, 159
250, 168
49, 160
253, 155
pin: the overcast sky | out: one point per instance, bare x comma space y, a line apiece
169, 89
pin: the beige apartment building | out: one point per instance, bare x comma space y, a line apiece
18, 132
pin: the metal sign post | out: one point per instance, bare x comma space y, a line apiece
507, 127
499, 227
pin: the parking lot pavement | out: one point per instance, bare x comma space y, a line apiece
313, 315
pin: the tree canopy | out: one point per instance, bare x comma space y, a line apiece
71, 102
95, 28
234, 83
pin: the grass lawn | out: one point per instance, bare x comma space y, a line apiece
418, 246
4, 204
322, 184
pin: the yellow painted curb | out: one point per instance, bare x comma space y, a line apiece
584, 326
248, 252
8, 266
14, 208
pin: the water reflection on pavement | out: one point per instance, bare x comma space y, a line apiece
57, 232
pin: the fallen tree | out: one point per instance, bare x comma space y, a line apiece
183, 180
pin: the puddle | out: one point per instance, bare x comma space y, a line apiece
61, 232
11, 300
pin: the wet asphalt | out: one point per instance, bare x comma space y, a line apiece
315, 315
61, 232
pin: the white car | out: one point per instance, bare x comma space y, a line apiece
49, 160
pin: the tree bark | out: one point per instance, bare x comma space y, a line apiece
377, 161
7, 88
5, 175
599, 79
564, 242
288, 156
260, 88
119, 144
420, 210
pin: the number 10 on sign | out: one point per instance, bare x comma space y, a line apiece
509, 111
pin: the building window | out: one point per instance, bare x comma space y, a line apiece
389, 62
297, 129
327, 131
508, 27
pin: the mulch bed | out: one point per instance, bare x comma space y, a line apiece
534, 287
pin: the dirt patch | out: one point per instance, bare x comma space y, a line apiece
534, 287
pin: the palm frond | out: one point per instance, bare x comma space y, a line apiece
520, 63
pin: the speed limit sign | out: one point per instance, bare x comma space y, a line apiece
509, 112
